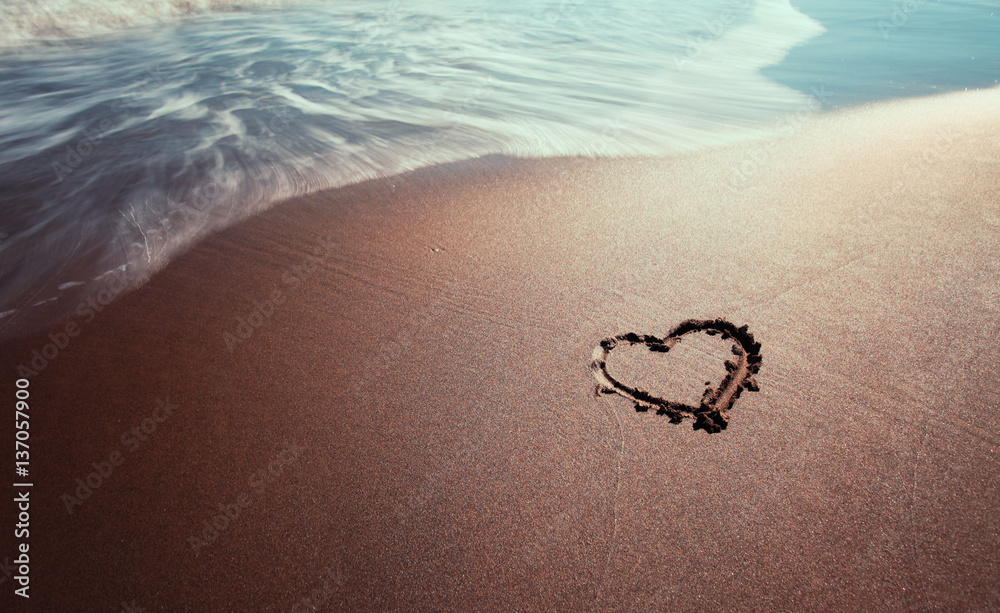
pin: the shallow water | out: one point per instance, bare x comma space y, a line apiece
878, 50
128, 134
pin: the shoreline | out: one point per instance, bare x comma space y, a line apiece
427, 360
757, 145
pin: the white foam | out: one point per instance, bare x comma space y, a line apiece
23, 22
185, 106
370, 90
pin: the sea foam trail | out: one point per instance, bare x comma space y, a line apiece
117, 154
32, 22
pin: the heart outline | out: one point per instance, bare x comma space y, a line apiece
711, 415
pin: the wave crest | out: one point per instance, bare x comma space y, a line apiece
30, 22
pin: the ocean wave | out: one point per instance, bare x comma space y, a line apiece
25, 23
118, 156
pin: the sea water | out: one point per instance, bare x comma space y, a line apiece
129, 129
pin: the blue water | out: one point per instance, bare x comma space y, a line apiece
130, 130
877, 50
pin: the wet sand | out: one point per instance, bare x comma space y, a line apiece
388, 390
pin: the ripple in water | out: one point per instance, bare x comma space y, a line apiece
125, 135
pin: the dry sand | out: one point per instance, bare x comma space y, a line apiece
427, 362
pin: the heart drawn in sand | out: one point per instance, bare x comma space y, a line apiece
715, 402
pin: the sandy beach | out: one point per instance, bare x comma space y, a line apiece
379, 398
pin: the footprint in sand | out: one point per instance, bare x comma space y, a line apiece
710, 415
